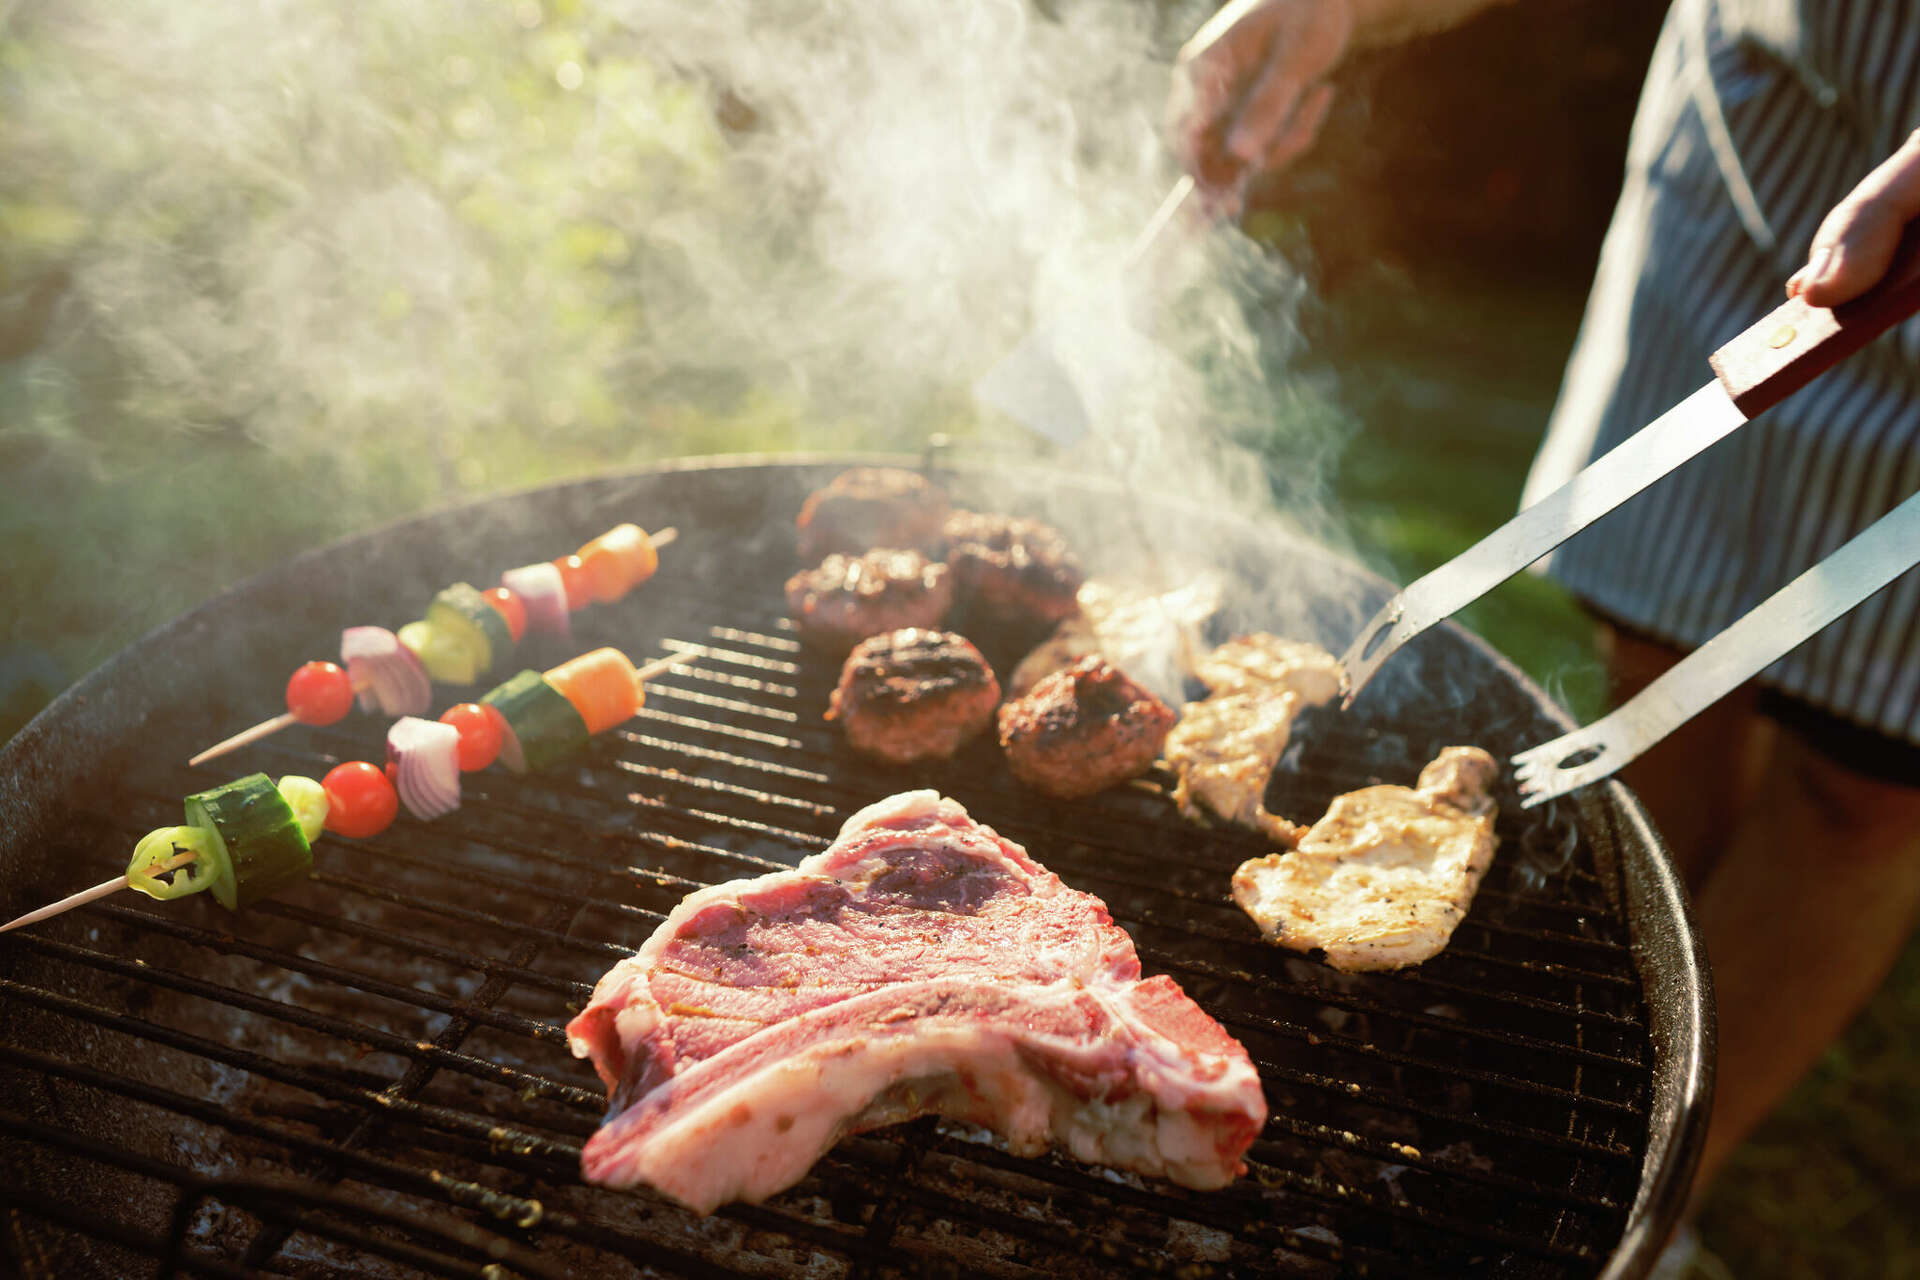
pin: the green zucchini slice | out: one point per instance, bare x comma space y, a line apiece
542, 726
256, 846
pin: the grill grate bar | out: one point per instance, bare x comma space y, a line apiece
509, 1148
1338, 999
403, 1178
1267, 1178
1518, 1084
1063, 852
228, 944
341, 1029
493, 968
1392, 1153
187, 1181
447, 910
351, 1032
1387, 1100
479, 1128
814, 842
420, 1071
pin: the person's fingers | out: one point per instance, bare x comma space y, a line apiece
1855, 243
1302, 129
1210, 79
1305, 48
1202, 101
1264, 114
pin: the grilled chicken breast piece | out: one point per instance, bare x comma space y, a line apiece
1381, 880
1225, 746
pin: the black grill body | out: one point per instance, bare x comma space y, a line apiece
368, 1074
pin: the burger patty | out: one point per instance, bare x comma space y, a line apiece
1011, 569
1083, 729
914, 695
872, 507
848, 598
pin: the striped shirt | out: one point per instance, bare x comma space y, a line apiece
1758, 116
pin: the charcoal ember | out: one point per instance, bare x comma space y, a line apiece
870, 507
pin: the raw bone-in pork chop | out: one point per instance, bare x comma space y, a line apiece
921, 964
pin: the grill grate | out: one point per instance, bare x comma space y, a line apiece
369, 1076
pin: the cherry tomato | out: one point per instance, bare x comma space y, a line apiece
574, 577
481, 730
360, 799
509, 607
319, 693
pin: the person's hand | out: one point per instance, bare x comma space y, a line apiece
1855, 243
1251, 91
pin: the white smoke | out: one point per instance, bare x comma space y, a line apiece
523, 240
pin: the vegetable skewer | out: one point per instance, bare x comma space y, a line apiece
250, 837
94, 894
464, 633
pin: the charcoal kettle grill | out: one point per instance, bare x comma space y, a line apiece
368, 1075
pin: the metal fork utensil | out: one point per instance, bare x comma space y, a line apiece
1886, 549
1758, 369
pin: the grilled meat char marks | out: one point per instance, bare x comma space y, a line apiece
1012, 570
914, 695
920, 965
1383, 879
1225, 747
1083, 729
848, 598
870, 507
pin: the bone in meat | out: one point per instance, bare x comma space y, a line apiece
921, 964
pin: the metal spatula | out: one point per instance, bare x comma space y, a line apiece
1889, 547
1758, 369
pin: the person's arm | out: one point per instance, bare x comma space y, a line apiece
1855, 243
1251, 86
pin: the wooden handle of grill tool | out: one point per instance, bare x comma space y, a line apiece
1797, 343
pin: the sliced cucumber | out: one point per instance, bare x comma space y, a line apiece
256, 847
542, 726
460, 617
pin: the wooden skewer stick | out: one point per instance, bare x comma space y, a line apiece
668, 663
657, 667
267, 728
98, 891
264, 729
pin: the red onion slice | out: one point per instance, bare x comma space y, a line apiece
425, 760
544, 592
384, 672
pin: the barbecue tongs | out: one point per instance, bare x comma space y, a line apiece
1758, 369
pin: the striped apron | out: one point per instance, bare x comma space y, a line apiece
1757, 117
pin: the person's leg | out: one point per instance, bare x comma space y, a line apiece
1804, 913
1805, 876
